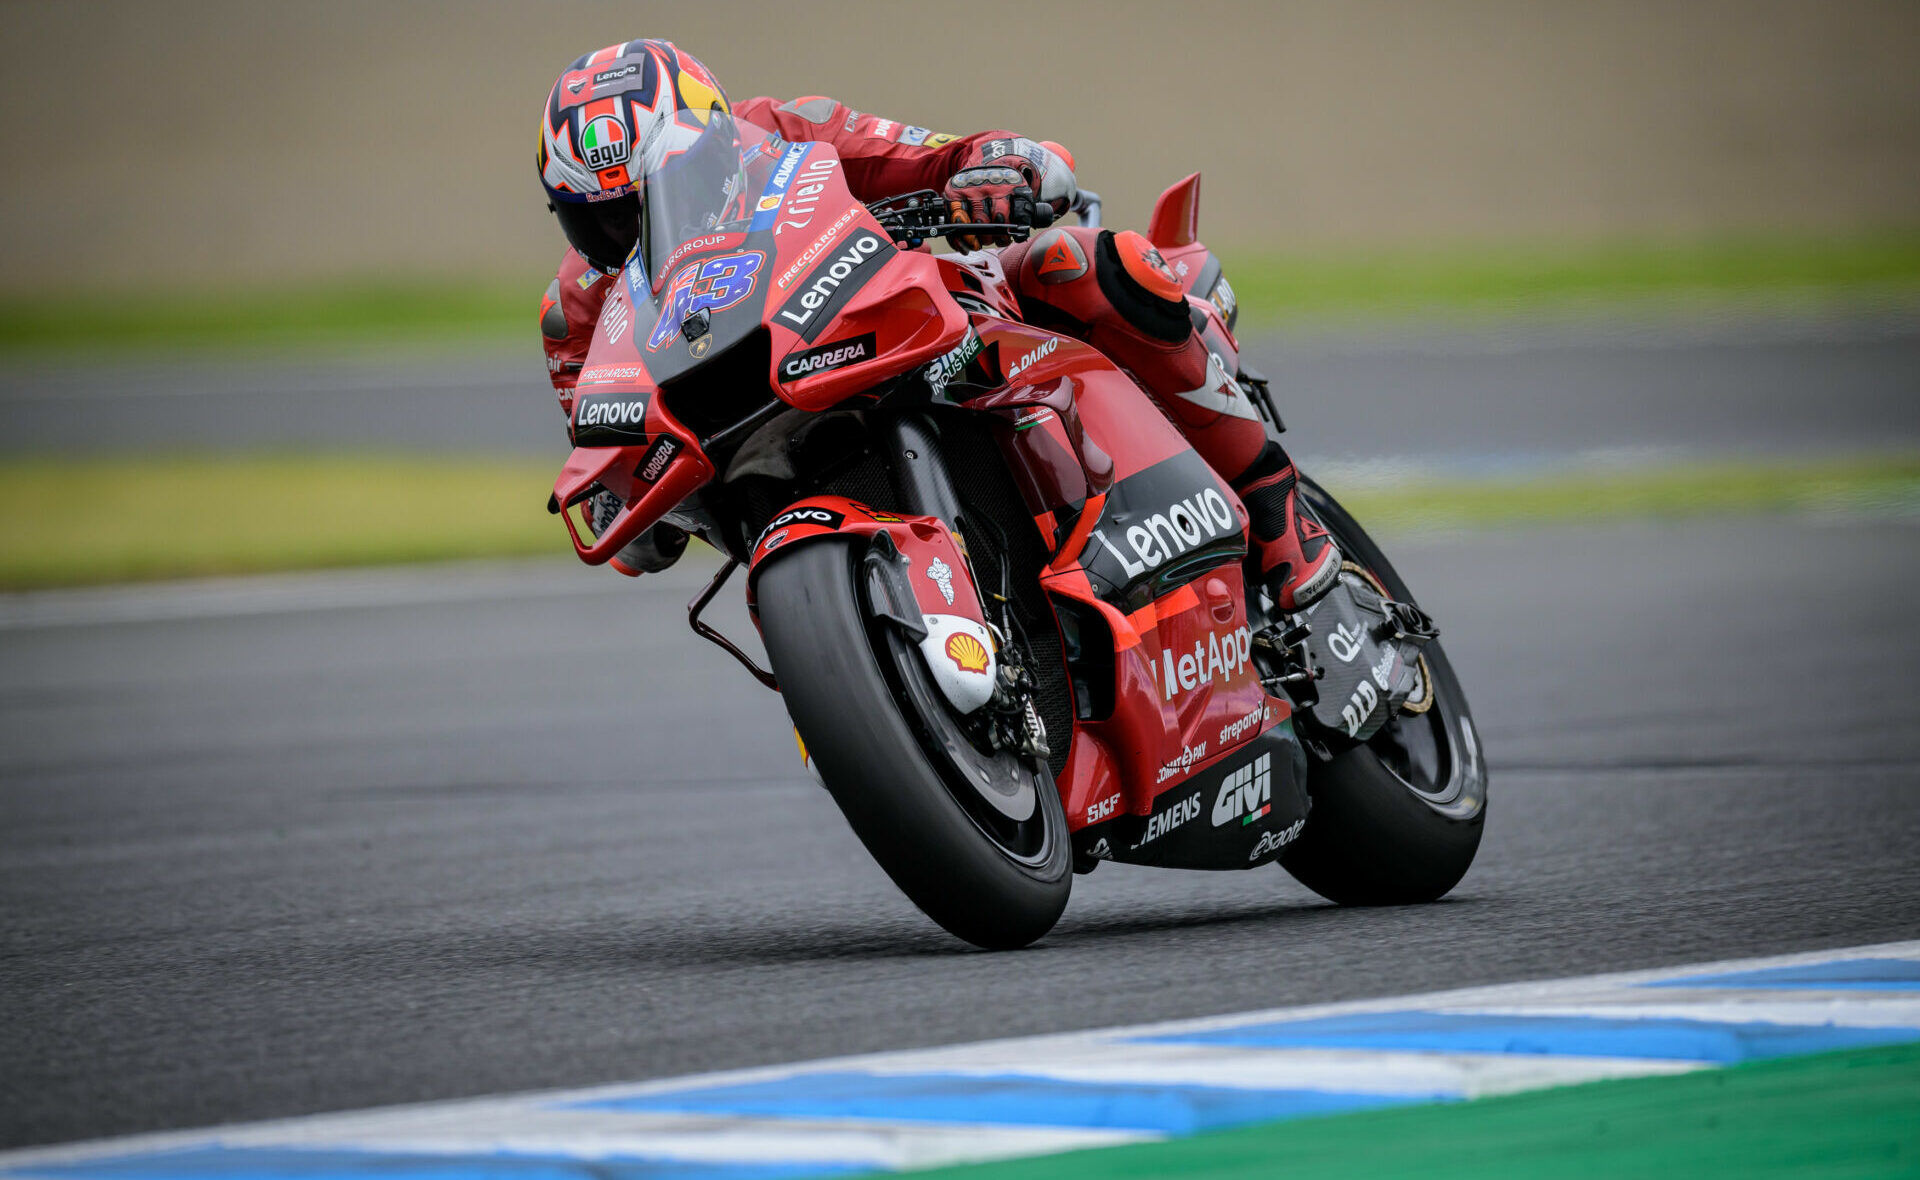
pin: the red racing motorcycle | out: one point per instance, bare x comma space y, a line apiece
1007, 606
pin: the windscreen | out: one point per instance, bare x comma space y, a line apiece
702, 188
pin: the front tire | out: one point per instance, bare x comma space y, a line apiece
1396, 820
861, 701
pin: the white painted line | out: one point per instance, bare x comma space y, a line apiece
1414, 1075
777, 1115
1764, 1007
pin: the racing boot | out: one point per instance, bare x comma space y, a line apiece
1116, 292
1298, 561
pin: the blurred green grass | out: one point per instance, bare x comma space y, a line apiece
121, 519
135, 518
307, 317
1274, 289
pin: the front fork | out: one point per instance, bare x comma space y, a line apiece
919, 472
926, 488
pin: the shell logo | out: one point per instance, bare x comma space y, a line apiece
967, 653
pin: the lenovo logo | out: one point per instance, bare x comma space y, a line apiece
845, 272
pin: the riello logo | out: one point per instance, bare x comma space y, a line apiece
1165, 535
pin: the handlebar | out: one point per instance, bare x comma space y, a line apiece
912, 218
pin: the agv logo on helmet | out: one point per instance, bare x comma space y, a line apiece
605, 143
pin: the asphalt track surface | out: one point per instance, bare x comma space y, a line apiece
307, 845
1462, 398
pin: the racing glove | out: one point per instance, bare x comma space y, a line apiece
1011, 181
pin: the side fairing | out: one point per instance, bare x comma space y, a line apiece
1147, 539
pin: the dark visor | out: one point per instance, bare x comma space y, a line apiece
602, 231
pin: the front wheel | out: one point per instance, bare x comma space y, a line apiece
900, 764
1397, 819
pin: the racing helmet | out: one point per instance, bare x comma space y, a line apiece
614, 117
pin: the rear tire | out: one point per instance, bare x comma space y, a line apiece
854, 689
1398, 820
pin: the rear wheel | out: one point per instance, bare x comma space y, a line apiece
976, 838
1397, 819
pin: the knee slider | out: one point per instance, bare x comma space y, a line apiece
1135, 279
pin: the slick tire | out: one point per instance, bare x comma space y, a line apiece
1372, 838
840, 673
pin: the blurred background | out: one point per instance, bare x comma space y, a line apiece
314, 230
1604, 317
264, 144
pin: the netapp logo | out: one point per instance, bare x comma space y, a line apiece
835, 354
809, 310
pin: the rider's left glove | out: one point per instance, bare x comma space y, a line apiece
1008, 181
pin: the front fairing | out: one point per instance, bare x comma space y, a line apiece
796, 266
796, 257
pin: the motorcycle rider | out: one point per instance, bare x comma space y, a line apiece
616, 114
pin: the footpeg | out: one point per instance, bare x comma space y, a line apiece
1297, 673
1407, 622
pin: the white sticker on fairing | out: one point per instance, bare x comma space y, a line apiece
959, 653
1221, 393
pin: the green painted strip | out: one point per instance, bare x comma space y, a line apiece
1832, 1115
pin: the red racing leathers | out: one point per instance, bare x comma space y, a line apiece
879, 157
1111, 290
